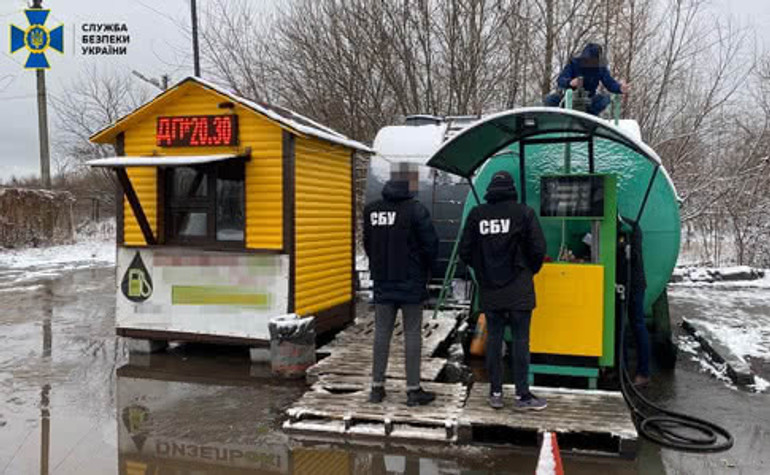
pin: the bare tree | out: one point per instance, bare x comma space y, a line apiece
362, 64
237, 47
94, 100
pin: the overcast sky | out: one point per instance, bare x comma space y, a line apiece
158, 46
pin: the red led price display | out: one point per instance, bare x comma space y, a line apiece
197, 131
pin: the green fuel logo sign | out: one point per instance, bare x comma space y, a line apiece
37, 39
135, 419
137, 283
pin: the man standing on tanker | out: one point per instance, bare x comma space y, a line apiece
504, 245
402, 246
587, 71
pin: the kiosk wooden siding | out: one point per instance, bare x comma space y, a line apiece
145, 181
264, 172
324, 224
295, 251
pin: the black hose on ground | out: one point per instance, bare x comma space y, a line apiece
669, 429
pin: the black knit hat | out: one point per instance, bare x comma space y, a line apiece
501, 188
502, 181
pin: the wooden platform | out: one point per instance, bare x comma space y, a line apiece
339, 405
583, 420
350, 353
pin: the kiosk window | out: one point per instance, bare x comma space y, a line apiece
231, 216
189, 183
205, 205
190, 224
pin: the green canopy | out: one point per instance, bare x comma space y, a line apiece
469, 149
597, 146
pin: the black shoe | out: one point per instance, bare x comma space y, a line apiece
530, 402
419, 397
377, 395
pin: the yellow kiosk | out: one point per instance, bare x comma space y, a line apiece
231, 212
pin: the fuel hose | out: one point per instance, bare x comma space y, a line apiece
666, 428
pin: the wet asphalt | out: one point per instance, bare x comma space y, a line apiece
72, 401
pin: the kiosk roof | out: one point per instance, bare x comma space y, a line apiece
283, 117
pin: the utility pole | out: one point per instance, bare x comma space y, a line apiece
196, 51
42, 120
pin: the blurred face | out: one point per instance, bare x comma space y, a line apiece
589, 63
406, 172
595, 59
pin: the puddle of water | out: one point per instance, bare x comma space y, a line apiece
74, 402
694, 388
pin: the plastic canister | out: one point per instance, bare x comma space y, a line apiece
479, 341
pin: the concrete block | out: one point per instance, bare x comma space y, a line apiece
259, 355
737, 368
136, 345
143, 360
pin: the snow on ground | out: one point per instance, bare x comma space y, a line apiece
22, 269
727, 277
736, 313
740, 318
760, 384
690, 345
88, 253
362, 262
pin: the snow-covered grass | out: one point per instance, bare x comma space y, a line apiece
725, 277
87, 253
21, 269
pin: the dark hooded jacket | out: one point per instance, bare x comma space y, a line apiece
504, 244
401, 243
592, 75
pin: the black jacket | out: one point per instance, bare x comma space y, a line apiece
401, 243
504, 244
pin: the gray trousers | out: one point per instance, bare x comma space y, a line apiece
384, 321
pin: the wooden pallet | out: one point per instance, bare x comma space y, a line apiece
351, 351
358, 362
339, 405
434, 332
594, 421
